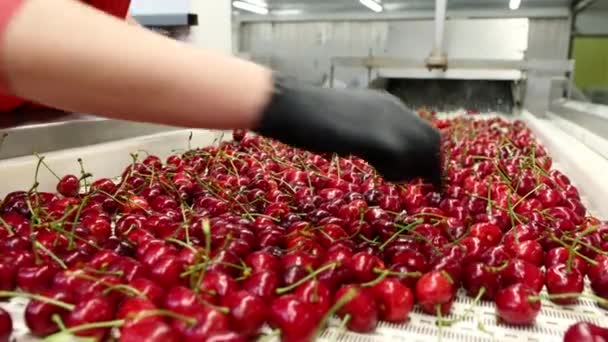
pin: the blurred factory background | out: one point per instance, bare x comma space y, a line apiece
548, 57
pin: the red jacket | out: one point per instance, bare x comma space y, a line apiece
118, 8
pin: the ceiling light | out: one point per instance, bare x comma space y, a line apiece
372, 5
259, 3
514, 4
250, 7
287, 12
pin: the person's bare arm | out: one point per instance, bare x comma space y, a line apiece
131, 20
85, 61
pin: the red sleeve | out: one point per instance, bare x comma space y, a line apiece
117, 8
7, 9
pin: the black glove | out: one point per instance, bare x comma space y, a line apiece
370, 124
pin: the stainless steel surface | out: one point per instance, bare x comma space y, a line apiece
550, 66
68, 132
592, 117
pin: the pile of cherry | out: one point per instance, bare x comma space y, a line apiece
221, 241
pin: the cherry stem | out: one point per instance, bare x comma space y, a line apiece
7, 226
52, 255
181, 243
399, 232
206, 227
584, 257
345, 299
572, 295
88, 326
310, 276
42, 162
40, 298
576, 241
500, 268
161, 312
466, 312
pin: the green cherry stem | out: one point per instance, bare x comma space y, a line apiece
40, 298
310, 276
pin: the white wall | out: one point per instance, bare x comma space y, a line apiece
214, 29
478, 39
141, 7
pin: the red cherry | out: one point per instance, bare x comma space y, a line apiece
585, 332
182, 300
90, 311
296, 319
315, 293
560, 280
248, 312
560, 255
363, 266
519, 271
488, 233
530, 251
263, 261
6, 326
69, 186
226, 337
39, 315
8, 276
435, 288
208, 322
514, 306
361, 308
477, 276
216, 284
149, 331
598, 276
150, 289
394, 300
262, 284
35, 279
130, 309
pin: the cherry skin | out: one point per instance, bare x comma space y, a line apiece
68, 186
477, 276
513, 305
488, 233
316, 293
363, 266
208, 322
560, 255
149, 331
6, 326
530, 251
90, 311
248, 312
435, 288
296, 319
153, 292
262, 284
519, 271
560, 280
361, 308
38, 315
585, 332
35, 279
226, 337
394, 300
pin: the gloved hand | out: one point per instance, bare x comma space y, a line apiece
369, 124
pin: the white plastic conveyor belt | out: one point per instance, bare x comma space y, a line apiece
585, 167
